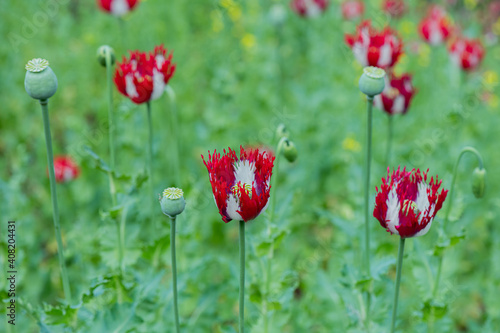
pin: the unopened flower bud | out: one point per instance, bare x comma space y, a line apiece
101, 55
282, 131
372, 81
290, 151
172, 202
40, 81
478, 182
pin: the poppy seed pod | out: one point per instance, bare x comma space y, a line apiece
101, 54
478, 182
172, 202
40, 81
372, 81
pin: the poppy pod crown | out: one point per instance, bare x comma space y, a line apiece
406, 203
240, 185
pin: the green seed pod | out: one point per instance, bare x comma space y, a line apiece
172, 202
478, 182
290, 151
40, 81
372, 81
101, 55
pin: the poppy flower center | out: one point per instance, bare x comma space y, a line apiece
409, 205
245, 187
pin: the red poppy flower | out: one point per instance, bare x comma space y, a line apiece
352, 9
396, 96
395, 8
375, 48
240, 185
65, 169
406, 204
436, 27
309, 8
466, 53
117, 7
143, 77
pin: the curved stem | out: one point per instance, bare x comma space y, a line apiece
175, 141
242, 277
367, 205
398, 281
150, 161
448, 208
389, 140
446, 219
269, 231
174, 273
55, 208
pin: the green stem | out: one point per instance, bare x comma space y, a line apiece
174, 273
448, 208
150, 161
242, 277
174, 138
398, 280
269, 231
120, 225
390, 129
109, 78
55, 209
367, 209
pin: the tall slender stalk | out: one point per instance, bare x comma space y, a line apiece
242, 277
269, 231
174, 273
174, 139
390, 129
109, 86
55, 208
150, 161
398, 281
447, 217
367, 208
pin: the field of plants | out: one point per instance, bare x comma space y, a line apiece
260, 166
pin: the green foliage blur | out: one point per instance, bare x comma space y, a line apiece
240, 73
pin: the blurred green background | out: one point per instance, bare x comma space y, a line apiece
240, 73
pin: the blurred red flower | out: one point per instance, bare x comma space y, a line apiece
241, 185
309, 8
352, 9
406, 203
466, 53
395, 8
65, 169
117, 7
397, 95
436, 27
375, 48
143, 76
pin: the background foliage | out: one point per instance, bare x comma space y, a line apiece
239, 74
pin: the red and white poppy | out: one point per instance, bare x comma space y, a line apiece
395, 8
309, 8
117, 7
436, 27
397, 95
65, 169
407, 204
466, 53
375, 48
352, 9
240, 185
143, 76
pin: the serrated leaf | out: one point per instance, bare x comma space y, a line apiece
61, 315
430, 308
447, 242
364, 284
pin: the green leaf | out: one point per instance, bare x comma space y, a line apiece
99, 162
447, 242
65, 315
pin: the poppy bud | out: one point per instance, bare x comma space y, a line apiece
290, 151
172, 202
40, 81
478, 182
102, 52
